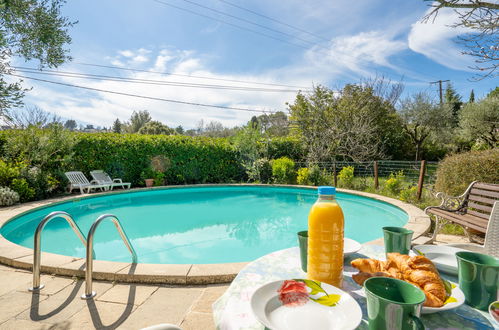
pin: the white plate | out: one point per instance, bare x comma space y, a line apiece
455, 293
444, 257
350, 246
271, 311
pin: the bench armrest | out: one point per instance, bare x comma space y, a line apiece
450, 203
117, 181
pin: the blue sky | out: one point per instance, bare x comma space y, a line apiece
357, 39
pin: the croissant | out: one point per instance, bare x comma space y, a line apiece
421, 272
418, 271
368, 265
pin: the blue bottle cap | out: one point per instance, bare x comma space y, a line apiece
327, 190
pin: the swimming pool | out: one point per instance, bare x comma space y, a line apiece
198, 225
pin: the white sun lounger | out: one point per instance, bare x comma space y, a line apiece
102, 177
77, 180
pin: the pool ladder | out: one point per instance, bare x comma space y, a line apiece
88, 243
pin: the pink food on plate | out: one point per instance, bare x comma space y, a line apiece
293, 293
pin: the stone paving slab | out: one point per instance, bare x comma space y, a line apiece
132, 294
166, 305
14, 324
101, 315
198, 321
154, 273
15, 302
62, 305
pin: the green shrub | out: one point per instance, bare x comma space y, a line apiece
394, 183
409, 195
8, 196
263, 169
7, 173
313, 176
22, 187
48, 149
456, 172
191, 159
283, 170
283, 147
302, 176
346, 177
159, 179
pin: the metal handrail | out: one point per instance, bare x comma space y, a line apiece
89, 294
38, 242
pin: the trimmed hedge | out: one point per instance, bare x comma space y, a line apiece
456, 172
190, 160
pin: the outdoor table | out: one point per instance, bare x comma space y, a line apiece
233, 311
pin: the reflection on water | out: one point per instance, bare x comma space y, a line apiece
198, 225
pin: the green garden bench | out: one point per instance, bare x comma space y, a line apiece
471, 210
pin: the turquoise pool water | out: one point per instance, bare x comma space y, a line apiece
198, 225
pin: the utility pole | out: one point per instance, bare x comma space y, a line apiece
440, 89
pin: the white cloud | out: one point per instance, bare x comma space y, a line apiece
437, 41
126, 53
140, 59
358, 52
344, 56
117, 63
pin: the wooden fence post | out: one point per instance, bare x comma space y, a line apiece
421, 178
376, 183
335, 179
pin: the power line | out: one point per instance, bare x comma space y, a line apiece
274, 20
245, 20
439, 82
142, 96
186, 75
147, 81
241, 27
228, 23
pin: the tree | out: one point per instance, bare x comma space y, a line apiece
421, 116
472, 97
179, 129
137, 120
480, 121
246, 142
30, 116
453, 101
70, 124
31, 29
155, 127
116, 126
216, 129
483, 42
494, 93
274, 124
350, 123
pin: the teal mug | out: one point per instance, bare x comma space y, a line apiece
478, 278
397, 239
393, 304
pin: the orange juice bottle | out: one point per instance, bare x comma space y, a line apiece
325, 239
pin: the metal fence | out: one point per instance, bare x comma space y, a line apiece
410, 169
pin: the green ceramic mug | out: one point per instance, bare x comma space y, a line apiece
393, 304
478, 278
397, 239
303, 244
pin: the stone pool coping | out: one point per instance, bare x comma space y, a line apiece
14, 255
